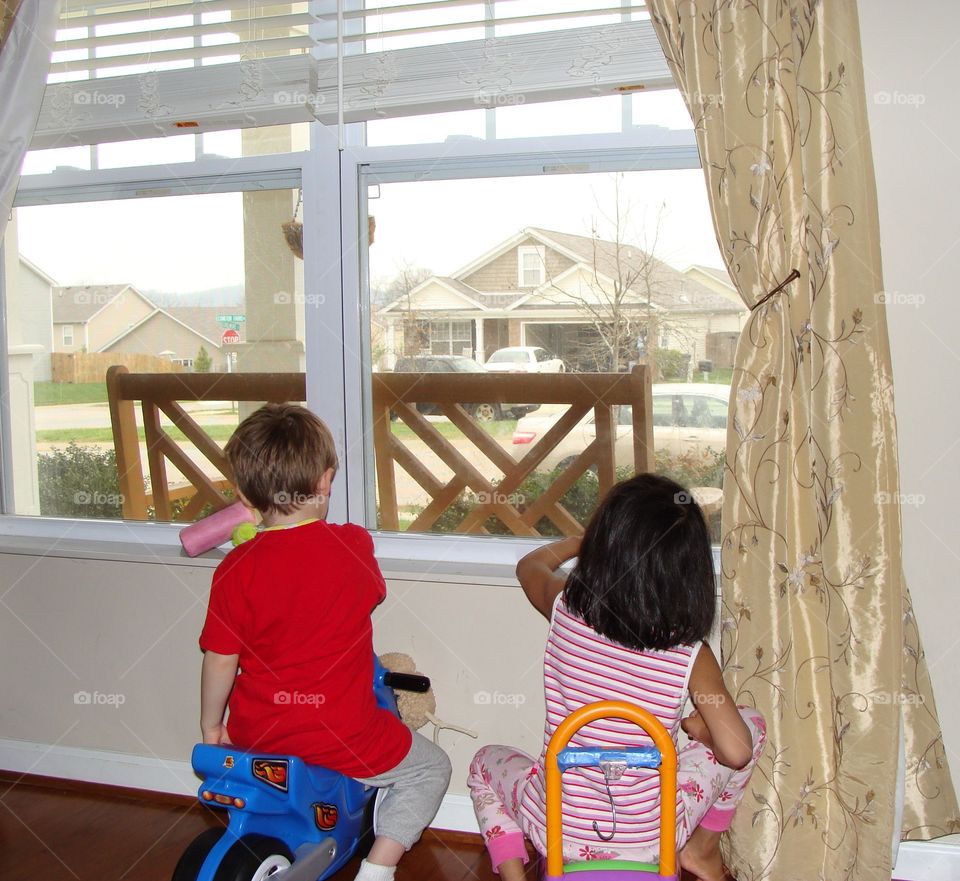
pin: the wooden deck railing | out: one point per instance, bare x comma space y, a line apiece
398, 393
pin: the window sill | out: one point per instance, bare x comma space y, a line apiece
136, 550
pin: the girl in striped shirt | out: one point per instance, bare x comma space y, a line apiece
629, 623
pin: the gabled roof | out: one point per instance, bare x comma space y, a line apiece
721, 275
471, 295
77, 304
157, 312
36, 270
672, 290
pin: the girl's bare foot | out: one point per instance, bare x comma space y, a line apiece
701, 856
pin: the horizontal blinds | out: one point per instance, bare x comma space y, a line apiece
222, 64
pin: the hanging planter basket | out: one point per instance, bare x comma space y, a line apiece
293, 230
293, 233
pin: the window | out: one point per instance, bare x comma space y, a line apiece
451, 338
468, 234
531, 266
499, 234
193, 268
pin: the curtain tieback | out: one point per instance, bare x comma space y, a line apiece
793, 276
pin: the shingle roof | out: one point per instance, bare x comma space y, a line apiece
77, 304
203, 319
670, 288
721, 275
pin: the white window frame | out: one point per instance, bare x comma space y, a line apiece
329, 249
63, 334
540, 253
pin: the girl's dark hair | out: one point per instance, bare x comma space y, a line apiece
644, 577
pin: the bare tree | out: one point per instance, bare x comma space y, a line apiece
622, 300
415, 331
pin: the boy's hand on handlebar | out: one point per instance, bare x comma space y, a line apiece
216, 736
696, 729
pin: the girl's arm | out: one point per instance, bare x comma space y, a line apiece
715, 720
216, 682
538, 576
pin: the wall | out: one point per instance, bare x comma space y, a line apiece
126, 634
912, 64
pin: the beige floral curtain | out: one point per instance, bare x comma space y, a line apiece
818, 628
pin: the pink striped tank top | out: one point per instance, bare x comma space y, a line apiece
581, 667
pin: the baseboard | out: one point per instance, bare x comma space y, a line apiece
158, 775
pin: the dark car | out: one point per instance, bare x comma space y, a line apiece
459, 364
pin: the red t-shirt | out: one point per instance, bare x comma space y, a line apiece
295, 605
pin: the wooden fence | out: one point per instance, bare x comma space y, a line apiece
392, 393
90, 366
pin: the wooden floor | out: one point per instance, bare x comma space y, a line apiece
71, 832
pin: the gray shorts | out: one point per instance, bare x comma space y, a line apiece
413, 791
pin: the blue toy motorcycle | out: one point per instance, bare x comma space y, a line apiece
287, 819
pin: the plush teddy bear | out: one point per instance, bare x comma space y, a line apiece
417, 709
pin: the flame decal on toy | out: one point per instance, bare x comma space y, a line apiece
325, 816
273, 772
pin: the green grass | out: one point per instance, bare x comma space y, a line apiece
47, 393
504, 428
722, 376
105, 435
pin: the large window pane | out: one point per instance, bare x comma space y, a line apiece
181, 285
572, 274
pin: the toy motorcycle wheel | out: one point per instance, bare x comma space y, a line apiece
190, 864
254, 858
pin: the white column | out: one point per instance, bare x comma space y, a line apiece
23, 444
478, 350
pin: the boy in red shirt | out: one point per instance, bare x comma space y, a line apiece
290, 609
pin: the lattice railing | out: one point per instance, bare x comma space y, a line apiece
603, 393
391, 392
162, 393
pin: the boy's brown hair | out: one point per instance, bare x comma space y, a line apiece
278, 455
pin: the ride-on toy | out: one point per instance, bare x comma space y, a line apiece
662, 756
287, 819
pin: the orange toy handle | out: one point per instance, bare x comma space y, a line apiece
668, 779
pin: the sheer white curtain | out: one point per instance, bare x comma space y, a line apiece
24, 63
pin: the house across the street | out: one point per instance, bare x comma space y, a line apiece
570, 295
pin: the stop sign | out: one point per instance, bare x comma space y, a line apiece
230, 337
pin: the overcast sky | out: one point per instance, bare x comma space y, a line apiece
195, 243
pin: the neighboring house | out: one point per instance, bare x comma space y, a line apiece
87, 317
118, 318
30, 322
550, 289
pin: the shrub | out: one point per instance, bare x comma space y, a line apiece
692, 469
672, 363
79, 482
581, 500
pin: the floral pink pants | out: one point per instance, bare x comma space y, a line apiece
711, 793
